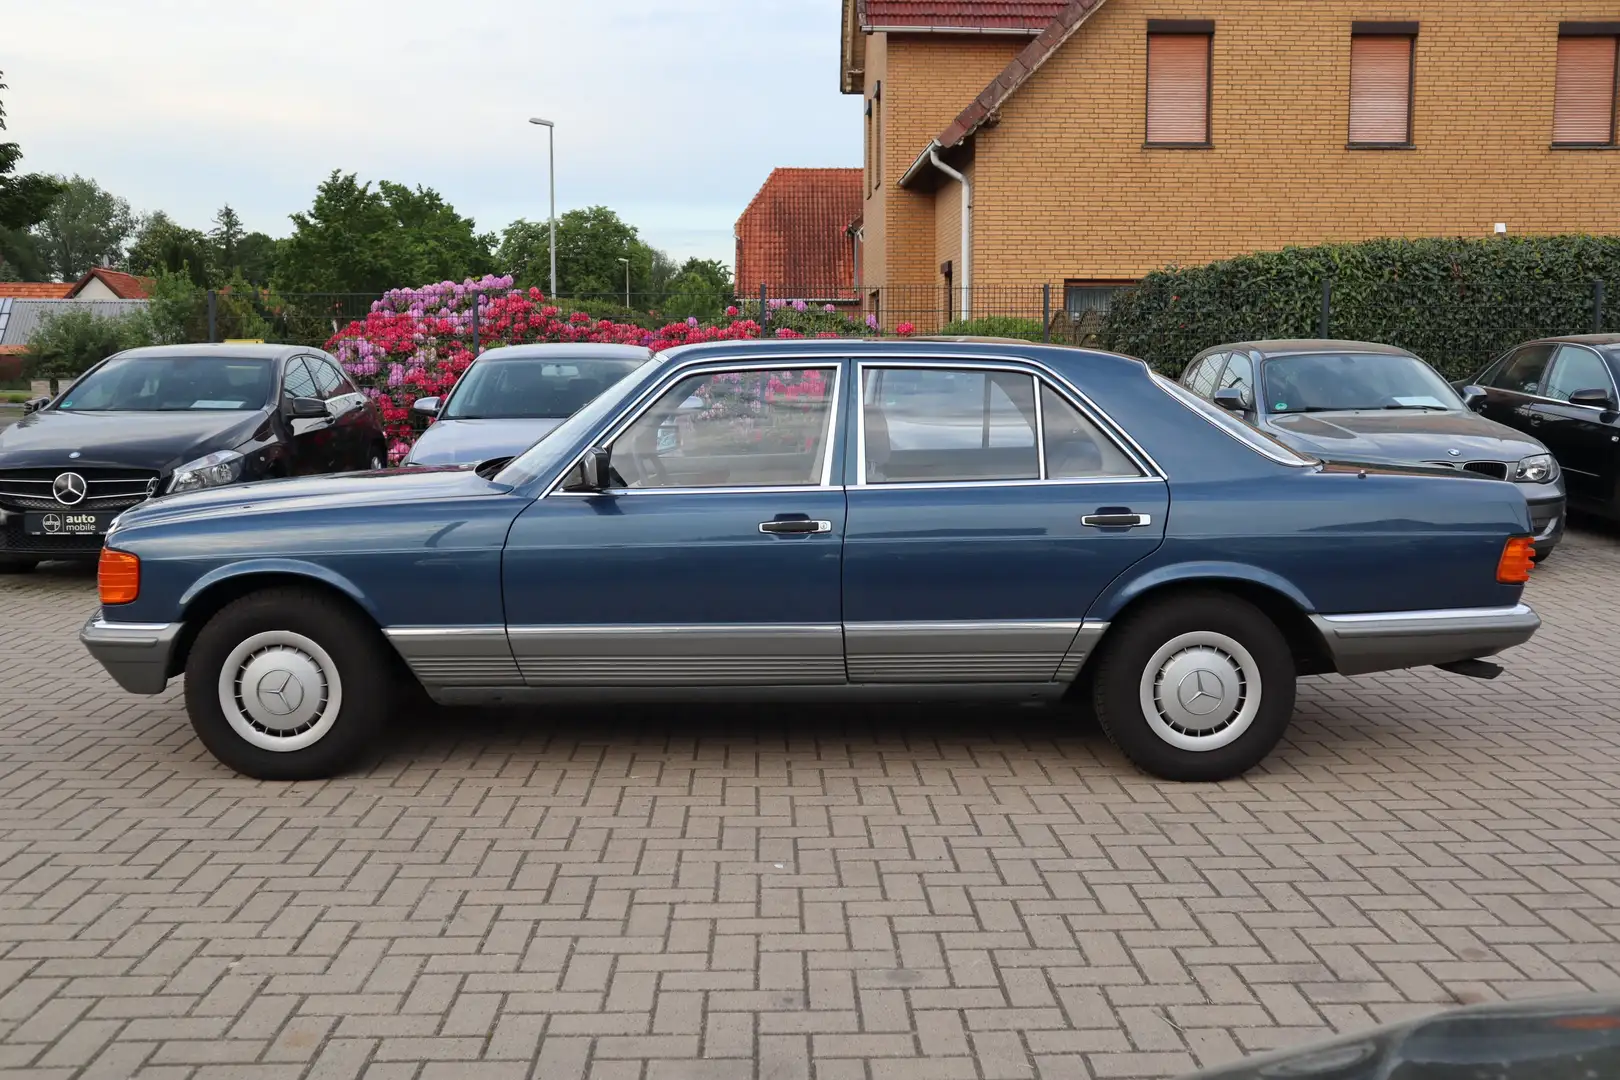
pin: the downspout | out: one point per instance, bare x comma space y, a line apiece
967, 229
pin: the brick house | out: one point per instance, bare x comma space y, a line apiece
1083, 143
796, 236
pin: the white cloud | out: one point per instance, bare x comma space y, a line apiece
671, 112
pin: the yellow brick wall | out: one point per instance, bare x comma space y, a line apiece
1065, 189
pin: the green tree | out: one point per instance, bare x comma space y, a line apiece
525, 253
590, 243
256, 258
86, 226
356, 238
24, 201
161, 246
702, 288
66, 345
227, 235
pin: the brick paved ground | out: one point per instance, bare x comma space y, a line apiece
884, 894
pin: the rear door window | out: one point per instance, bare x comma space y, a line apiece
923, 425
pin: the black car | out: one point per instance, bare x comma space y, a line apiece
151, 421
1356, 402
1562, 391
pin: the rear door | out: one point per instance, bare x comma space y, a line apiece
989, 509
1581, 437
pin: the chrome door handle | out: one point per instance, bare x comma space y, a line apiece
795, 527
1116, 521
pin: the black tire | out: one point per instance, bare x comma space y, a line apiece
365, 672
1131, 647
10, 564
1540, 557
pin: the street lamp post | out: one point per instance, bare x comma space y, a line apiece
626, 280
551, 155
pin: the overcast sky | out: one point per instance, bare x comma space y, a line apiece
672, 112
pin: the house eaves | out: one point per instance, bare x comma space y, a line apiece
984, 108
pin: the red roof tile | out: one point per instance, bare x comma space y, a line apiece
34, 290
124, 286
792, 236
1030, 15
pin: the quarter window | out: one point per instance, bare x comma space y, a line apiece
1075, 448
1524, 371
1575, 368
297, 381
1179, 83
731, 429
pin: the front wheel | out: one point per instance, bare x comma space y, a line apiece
1195, 687
288, 684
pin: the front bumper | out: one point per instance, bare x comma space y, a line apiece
136, 655
1388, 641
1546, 522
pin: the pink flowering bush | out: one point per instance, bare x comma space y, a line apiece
416, 342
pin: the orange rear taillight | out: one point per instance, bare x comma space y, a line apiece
119, 576
1518, 556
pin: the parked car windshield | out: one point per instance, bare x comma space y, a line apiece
1342, 382
531, 388
173, 384
551, 451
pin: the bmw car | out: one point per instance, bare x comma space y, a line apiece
164, 420
510, 397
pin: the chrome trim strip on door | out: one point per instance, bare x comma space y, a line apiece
680, 654
647, 398
967, 651
1040, 430
442, 656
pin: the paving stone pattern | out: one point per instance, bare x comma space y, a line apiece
828, 893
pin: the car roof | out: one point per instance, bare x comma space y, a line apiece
942, 348
568, 350
223, 350
1298, 346
1583, 339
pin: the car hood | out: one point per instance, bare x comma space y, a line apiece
1402, 437
467, 442
130, 440
312, 492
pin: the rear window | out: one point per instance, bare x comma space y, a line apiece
1253, 438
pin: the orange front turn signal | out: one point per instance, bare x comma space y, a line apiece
118, 576
1518, 556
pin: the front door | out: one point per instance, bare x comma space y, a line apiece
988, 512
313, 440
351, 436
713, 560
1515, 382
1581, 437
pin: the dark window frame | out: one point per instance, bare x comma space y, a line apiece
1204, 28
286, 371
1587, 30
1408, 30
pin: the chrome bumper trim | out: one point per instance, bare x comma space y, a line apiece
136, 655
1388, 641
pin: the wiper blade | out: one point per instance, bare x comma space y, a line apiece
1420, 408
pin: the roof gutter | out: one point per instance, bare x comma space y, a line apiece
1008, 31
966, 276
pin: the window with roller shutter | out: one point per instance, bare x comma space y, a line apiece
1381, 85
1179, 77
1584, 107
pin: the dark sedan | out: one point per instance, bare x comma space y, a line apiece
1355, 402
1562, 392
159, 420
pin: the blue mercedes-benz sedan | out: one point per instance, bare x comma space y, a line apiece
947, 519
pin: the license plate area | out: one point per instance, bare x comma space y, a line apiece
66, 523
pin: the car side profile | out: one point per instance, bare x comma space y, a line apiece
833, 520
509, 397
164, 419
1563, 391
1364, 403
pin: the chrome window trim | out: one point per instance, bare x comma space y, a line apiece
763, 489
1082, 404
1040, 429
647, 398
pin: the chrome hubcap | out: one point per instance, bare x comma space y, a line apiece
1200, 691
280, 691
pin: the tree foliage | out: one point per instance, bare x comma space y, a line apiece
365, 239
66, 345
701, 288
24, 200
84, 227
163, 246
1454, 302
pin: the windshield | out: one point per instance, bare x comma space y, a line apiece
550, 452
531, 388
1342, 382
173, 384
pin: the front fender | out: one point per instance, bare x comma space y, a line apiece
1127, 587
281, 567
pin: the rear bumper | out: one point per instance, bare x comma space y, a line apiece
136, 655
1388, 641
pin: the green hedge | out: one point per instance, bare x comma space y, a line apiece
1456, 303
997, 326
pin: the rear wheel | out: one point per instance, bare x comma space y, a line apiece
288, 684
1198, 686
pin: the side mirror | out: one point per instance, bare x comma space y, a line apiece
305, 408
1232, 399
1595, 399
1473, 398
35, 404
427, 406
592, 472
